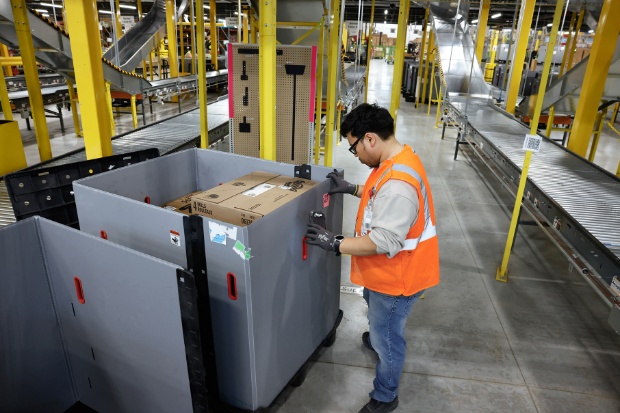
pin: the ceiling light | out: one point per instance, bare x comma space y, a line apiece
590, 31
496, 15
384, 21
206, 7
105, 12
474, 21
385, 12
41, 10
57, 6
126, 6
550, 24
45, 15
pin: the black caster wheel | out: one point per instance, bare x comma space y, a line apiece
300, 377
330, 340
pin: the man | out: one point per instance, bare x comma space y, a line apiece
395, 253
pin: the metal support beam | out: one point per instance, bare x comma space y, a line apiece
267, 78
31, 71
4, 52
83, 20
246, 19
192, 37
422, 50
595, 77
483, 18
213, 33
202, 70
571, 55
253, 24
523, 29
502, 270
4, 98
569, 42
429, 56
319, 90
333, 53
399, 57
134, 112
371, 27
74, 111
171, 30
117, 20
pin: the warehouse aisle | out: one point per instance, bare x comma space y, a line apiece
539, 343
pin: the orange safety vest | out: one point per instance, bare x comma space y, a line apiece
416, 266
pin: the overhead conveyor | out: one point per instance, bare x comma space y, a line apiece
574, 201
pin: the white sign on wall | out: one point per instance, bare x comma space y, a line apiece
232, 21
128, 22
352, 26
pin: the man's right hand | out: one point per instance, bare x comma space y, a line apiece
339, 185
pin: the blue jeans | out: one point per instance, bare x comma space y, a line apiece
387, 315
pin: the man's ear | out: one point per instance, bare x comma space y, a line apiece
373, 139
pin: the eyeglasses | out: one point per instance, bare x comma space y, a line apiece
352, 147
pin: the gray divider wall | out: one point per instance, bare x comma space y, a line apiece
121, 350
285, 306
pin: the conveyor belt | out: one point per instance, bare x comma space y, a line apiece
170, 135
581, 200
50, 94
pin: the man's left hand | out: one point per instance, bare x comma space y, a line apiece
317, 235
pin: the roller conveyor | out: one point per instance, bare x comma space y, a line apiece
579, 199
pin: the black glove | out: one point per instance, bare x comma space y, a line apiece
339, 185
317, 235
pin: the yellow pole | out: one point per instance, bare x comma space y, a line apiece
319, 91
369, 47
573, 46
83, 20
139, 6
253, 26
569, 42
246, 19
432, 85
429, 48
31, 71
618, 170
108, 97
74, 112
523, 29
4, 98
422, 50
267, 77
333, 59
213, 33
4, 52
192, 38
595, 77
202, 69
483, 18
399, 57
502, 270
117, 20
600, 120
173, 55
134, 112
182, 47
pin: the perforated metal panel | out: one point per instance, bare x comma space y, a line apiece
295, 73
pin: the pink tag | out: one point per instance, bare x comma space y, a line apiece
325, 200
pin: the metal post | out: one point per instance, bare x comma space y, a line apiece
399, 57
181, 46
213, 33
139, 6
523, 29
246, 36
573, 46
333, 59
600, 121
117, 20
134, 112
252, 26
4, 52
74, 112
4, 98
569, 42
173, 56
267, 76
502, 270
108, 96
192, 38
483, 18
422, 50
429, 50
319, 90
31, 71
369, 43
202, 70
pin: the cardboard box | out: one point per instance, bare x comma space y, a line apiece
250, 197
182, 204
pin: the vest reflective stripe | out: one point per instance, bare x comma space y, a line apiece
411, 244
417, 177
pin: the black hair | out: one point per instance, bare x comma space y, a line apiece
368, 118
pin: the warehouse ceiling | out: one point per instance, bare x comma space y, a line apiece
385, 10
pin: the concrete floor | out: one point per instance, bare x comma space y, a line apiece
539, 343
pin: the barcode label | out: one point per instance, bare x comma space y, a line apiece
532, 143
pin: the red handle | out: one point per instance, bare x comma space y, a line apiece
104, 234
304, 249
232, 286
79, 290
147, 199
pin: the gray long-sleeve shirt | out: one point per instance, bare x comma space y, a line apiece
395, 209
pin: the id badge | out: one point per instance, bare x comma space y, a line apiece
367, 219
